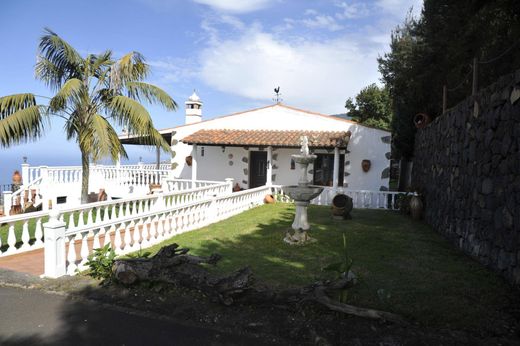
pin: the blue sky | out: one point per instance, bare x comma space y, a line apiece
233, 52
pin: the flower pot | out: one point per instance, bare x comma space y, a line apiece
416, 207
269, 199
365, 164
421, 120
342, 206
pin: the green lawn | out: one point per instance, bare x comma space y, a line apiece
403, 266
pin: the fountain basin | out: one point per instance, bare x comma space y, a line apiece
304, 159
303, 193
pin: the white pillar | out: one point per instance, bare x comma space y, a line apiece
158, 157
25, 174
269, 180
230, 182
8, 202
54, 246
45, 188
194, 162
118, 161
335, 174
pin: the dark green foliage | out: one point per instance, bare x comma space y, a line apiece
100, 263
372, 107
437, 49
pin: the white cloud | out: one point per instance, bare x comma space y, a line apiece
322, 22
236, 6
352, 10
170, 70
310, 12
314, 75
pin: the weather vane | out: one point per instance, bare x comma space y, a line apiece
278, 96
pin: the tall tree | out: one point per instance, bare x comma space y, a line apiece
94, 92
437, 49
372, 107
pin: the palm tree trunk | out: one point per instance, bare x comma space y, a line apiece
85, 170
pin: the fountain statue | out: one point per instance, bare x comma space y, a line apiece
302, 194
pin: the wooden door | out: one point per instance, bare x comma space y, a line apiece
257, 169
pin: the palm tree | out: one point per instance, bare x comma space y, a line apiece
91, 94
21, 119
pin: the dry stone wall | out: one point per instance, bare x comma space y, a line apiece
467, 164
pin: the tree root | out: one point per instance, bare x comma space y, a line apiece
175, 266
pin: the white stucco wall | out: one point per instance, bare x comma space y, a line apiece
365, 143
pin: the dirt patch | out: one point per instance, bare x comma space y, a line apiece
305, 324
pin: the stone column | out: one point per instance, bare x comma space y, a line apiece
194, 162
269, 180
335, 173
54, 246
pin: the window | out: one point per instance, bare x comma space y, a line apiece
324, 169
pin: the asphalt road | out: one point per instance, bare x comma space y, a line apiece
32, 317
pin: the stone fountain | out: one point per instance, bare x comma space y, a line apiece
302, 194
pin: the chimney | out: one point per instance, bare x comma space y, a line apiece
193, 109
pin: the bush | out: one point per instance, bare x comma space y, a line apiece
100, 263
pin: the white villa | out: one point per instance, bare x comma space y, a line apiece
254, 147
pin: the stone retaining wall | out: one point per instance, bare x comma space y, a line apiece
467, 164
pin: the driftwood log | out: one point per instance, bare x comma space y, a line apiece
175, 266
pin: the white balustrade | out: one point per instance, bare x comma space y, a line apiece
361, 199
25, 232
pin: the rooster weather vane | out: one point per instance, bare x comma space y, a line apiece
278, 96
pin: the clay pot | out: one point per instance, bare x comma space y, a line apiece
17, 178
342, 206
269, 199
189, 160
421, 120
365, 164
416, 207
102, 195
237, 187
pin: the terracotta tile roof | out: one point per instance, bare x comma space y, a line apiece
317, 139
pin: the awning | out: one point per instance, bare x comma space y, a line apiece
136, 140
274, 138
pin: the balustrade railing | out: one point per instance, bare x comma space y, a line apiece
362, 199
24, 232
118, 181
139, 225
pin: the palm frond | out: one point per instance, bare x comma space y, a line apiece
70, 91
131, 67
131, 114
13, 103
65, 59
151, 93
47, 72
21, 126
100, 139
